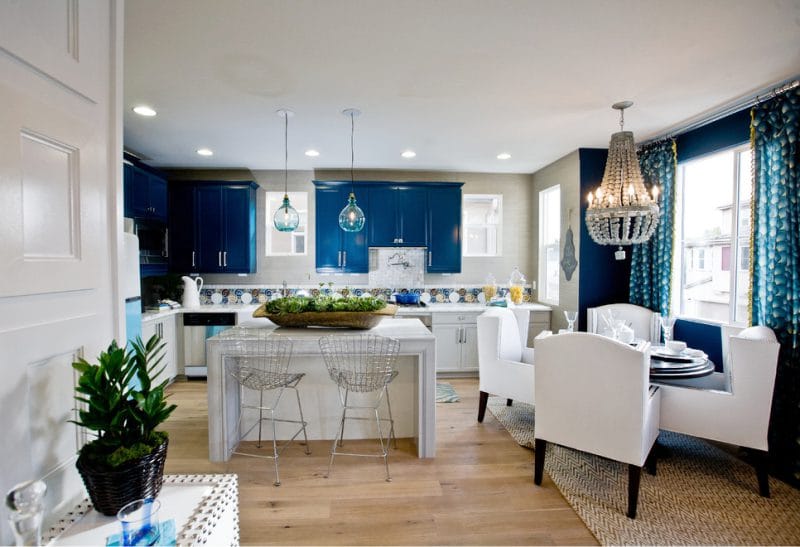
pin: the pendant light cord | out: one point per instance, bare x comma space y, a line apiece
352, 151
286, 154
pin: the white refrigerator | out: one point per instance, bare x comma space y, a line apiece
130, 287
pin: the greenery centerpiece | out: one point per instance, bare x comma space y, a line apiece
325, 310
123, 406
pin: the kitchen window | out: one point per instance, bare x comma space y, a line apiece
286, 243
711, 275
483, 221
549, 230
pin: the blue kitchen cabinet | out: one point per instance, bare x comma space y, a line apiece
399, 213
215, 232
145, 193
181, 250
338, 251
444, 229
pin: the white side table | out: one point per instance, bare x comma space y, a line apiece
205, 509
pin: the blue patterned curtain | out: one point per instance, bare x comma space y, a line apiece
651, 262
775, 260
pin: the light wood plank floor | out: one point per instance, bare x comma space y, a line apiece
478, 490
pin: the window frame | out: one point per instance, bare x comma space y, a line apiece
270, 227
544, 295
498, 226
679, 248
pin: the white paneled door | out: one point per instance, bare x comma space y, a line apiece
59, 200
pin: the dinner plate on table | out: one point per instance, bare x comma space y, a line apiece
660, 353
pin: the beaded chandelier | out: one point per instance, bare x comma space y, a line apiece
622, 211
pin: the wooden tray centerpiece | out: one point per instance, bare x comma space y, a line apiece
351, 312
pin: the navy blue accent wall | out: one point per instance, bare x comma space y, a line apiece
603, 280
701, 336
724, 133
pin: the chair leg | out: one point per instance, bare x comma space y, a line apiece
344, 412
260, 415
392, 436
651, 461
509, 402
302, 421
484, 398
634, 477
384, 447
335, 442
275, 447
761, 461
539, 449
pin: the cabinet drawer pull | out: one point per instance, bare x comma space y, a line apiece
339, 259
430, 257
225, 259
344, 259
219, 259
193, 253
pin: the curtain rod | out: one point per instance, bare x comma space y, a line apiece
752, 100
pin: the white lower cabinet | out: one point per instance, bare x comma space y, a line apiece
166, 329
456, 341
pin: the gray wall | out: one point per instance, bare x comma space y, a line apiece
566, 172
518, 243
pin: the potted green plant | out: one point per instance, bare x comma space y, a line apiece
122, 406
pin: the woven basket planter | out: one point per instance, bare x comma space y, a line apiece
111, 490
342, 319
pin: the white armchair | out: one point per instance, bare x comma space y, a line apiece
593, 394
645, 322
505, 363
738, 415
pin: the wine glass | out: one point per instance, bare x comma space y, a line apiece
667, 322
571, 317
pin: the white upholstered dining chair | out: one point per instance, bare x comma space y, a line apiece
505, 363
644, 322
739, 414
593, 394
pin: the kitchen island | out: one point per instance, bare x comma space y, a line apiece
413, 393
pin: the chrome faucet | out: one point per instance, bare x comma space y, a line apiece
285, 291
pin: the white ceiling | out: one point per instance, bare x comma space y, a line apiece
458, 81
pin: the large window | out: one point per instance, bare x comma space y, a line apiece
286, 243
712, 247
483, 221
549, 230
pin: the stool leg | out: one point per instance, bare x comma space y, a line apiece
238, 422
335, 442
275, 447
344, 411
384, 448
302, 420
391, 419
260, 415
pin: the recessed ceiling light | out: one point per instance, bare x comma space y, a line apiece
408, 154
312, 153
144, 110
504, 156
204, 152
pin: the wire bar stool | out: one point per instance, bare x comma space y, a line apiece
259, 361
362, 364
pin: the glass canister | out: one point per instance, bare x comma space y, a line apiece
489, 288
516, 286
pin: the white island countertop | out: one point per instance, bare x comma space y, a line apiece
417, 343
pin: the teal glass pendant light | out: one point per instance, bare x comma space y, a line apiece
351, 219
286, 218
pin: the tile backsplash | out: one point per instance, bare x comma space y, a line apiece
396, 267
217, 294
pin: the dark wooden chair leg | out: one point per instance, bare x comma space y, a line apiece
761, 461
484, 398
652, 459
539, 448
509, 401
634, 476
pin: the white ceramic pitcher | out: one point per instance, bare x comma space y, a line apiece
191, 291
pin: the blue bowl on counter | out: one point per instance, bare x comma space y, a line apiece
406, 298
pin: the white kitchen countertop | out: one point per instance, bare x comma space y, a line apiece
401, 310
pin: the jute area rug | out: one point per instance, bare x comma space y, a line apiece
701, 495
